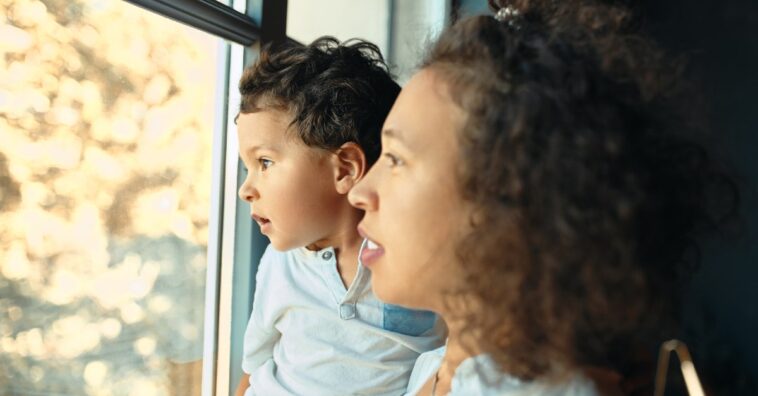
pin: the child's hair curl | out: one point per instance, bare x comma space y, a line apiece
336, 92
591, 187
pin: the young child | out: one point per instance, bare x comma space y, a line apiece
308, 126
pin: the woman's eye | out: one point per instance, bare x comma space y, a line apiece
393, 160
265, 163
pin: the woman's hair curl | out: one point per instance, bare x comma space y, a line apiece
591, 185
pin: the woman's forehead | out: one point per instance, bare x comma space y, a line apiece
424, 110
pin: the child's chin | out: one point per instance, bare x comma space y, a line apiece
281, 245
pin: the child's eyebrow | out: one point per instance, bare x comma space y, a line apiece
259, 147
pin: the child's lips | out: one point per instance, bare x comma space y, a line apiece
263, 222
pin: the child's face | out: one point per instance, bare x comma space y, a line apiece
290, 186
414, 210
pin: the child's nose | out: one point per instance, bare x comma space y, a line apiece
248, 192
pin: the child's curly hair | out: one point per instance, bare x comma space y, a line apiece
591, 188
336, 92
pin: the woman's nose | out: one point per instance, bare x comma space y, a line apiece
363, 196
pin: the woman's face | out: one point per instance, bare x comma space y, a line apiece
415, 215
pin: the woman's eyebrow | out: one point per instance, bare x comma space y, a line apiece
400, 140
394, 134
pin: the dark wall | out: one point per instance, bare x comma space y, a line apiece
720, 39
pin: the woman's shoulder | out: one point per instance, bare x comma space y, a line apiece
576, 385
481, 375
426, 365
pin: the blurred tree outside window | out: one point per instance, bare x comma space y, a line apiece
106, 124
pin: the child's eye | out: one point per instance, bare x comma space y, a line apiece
265, 163
393, 160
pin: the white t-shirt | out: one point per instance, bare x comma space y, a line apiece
308, 335
480, 376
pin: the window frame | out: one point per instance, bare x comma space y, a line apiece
209, 16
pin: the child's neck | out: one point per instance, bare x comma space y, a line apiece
346, 243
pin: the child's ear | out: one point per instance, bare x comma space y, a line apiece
350, 166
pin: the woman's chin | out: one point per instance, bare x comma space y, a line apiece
390, 293
384, 292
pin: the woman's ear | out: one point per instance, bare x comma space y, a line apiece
350, 166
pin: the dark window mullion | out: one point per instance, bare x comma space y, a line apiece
207, 15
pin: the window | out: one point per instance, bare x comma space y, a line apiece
105, 186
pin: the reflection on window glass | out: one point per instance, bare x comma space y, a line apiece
106, 113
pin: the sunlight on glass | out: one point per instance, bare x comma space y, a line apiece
106, 117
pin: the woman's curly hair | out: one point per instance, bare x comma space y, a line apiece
591, 187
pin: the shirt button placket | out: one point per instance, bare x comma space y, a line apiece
347, 311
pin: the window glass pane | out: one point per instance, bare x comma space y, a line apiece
106, 117
401, 29
344, 19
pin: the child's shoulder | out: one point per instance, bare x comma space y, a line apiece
271, 254
277, 270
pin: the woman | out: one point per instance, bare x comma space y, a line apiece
540, 191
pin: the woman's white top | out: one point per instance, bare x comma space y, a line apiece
480, 376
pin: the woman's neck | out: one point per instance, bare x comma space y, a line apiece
461, 345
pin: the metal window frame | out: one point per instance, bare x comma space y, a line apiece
230, 250
209, 16
216, 230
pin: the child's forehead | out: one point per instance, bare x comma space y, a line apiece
264, 121
270, 128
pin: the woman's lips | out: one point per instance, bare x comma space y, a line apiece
371, 250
